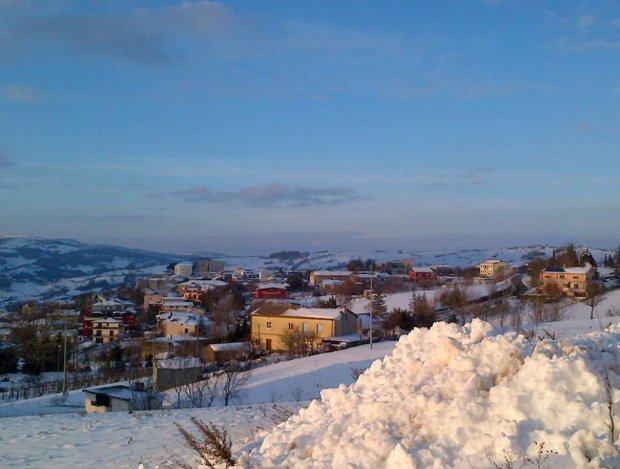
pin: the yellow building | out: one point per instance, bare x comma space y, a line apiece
493, 268
271, 321
106, 330
572, 281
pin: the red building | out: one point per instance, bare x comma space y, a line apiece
421, 274
271, 291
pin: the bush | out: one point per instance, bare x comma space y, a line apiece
213, 445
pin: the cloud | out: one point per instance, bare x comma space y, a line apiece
145, 35
19, 93
585, 21
593, 45
110, 218
270, 195
5, 161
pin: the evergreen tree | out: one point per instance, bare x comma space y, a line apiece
377, 304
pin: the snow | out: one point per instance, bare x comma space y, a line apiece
322, 313
458, 396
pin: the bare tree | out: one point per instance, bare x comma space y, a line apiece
213, 446
202, 393
594, 296
233, 380
298, 342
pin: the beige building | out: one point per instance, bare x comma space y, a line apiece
106, 330
183, 323
271, 321
493, 268
572, 281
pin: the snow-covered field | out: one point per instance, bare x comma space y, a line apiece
452, 396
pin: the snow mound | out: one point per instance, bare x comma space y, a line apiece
465, 396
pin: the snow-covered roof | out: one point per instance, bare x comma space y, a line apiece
111, 320
569, 270
278, 286
231, 346
335, 273
320, 313
178, 363
427, 270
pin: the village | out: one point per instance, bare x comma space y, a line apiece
199, 328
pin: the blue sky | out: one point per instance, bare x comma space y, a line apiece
249, 127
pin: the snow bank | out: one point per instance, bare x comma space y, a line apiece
458, 396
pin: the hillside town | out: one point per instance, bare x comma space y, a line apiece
201, 319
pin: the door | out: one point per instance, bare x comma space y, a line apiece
268, 344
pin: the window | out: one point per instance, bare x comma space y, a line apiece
186, 330
290, 326
111, 333
268, 324
319, 328
304, 327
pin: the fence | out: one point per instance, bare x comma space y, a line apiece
74, 381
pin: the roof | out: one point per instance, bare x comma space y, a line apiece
423, 269
231, 346
286, 310
335, 273
569, 270
179, 363
277, 286
117, 391
112, 320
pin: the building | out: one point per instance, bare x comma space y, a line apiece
207, 268
121, 398
182, 323
317, 276
224, 353
422, 275
106, 330
174, 372
571, 281
269, 323
114, 304
175, 303
493, 268
183, 269
271, 291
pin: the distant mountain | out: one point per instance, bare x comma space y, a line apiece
36, 268
46, 269
295, 260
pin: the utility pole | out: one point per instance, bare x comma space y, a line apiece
64, 372
371, 308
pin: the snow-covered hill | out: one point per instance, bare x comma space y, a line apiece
516, 255
48, 269
35, 268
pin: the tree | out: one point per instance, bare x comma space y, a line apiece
296, 281
377, 304
552, 291
424, 312
587, 258
203, 392
594, 297
569, 257
233, 379
298, 342
355, 265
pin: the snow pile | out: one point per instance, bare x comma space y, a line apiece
464, 396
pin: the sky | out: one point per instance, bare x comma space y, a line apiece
250, 127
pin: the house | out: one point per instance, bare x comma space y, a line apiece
422, 275
177, 346
183, 269
317, 276
493, 268
175, 303
207, 267
571, 281
178, 323
270, 322
106, 330
223, 353
174, 372
113, 304
121, 398
271, 291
